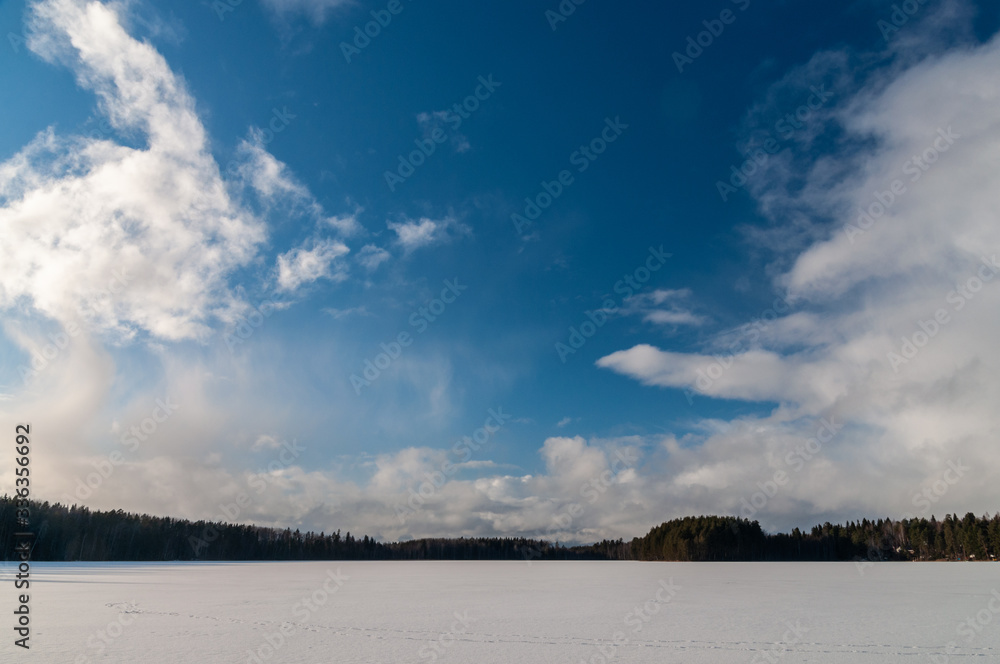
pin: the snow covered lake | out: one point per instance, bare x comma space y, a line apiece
501, 612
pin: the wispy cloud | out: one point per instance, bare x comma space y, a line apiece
424, 232
663, 307
346, 313
317, 11
444, 120
371, 256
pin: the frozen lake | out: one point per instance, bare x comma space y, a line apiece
502, 612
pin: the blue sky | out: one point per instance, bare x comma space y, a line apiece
165, 171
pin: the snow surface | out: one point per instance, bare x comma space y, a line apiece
507, 612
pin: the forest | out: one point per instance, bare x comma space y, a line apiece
74, 533
724, 538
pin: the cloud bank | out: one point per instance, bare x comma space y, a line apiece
893, 300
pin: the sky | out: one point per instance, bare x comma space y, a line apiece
552, 270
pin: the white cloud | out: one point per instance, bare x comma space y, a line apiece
266, 175
303, 266
414, 234
266, 442
345, 224
280, 193
347, 313
126, 239
663, 307
316, 11
600, 476
142, 240
372, 256
672, 317
863, 344
411, 235
563, 422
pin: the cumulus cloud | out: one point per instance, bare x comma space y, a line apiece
101, 240
207, 452
895, 296
598, 476
141, 240
128, 239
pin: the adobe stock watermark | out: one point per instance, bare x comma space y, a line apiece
259, 482
627, 286
280, 120
939, 487
713, 30
247, 325
303, 611
915, 167
223, 7
778, 650
101, 131
785, 127
464, 450
562, 12
420, 320
427, 146
592, 490
100, 640
795, 461
636, 619
43, 357
17, 41
131, 439
900, 16
930, 328
972, 627
582, 158
381, 18
436, 648
749, 333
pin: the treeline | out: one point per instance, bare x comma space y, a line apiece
79, 534
714, 538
